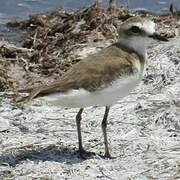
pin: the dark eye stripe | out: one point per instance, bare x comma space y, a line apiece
136, 29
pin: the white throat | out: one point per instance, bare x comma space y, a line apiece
136, 44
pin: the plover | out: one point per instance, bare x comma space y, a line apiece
105, 77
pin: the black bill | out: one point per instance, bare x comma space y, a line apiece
158, 37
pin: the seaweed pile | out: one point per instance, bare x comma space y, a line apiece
4, 78
53, 39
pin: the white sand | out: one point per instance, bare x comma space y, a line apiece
143, 131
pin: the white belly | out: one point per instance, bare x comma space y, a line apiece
81, 98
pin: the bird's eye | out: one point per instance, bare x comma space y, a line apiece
135, 29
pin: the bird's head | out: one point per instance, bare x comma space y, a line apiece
137, 33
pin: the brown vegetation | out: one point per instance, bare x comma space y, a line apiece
55, 36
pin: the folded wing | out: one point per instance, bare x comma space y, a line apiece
93, 73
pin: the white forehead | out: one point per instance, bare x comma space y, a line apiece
148, 26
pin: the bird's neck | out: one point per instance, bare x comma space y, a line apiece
134, 47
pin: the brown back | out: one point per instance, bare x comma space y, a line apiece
93, 73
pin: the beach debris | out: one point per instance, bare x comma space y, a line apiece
175, 13
173, 10
52, 41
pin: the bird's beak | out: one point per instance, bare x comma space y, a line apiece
157, 36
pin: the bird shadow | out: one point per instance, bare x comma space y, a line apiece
49, 153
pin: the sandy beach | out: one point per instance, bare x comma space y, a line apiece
39, 141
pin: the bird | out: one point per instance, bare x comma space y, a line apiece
102, 78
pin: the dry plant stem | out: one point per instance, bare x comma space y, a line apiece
97, 3
112, 4
78, 123
104, 126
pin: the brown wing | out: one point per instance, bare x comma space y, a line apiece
92, 73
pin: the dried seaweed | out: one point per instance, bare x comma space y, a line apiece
54, 37
144, 128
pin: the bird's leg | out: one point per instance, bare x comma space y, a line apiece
78, 123
104, 125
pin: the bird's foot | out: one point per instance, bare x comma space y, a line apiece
85, 154
108, 156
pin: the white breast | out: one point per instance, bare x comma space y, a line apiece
81, 98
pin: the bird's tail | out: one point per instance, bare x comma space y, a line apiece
26, 95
